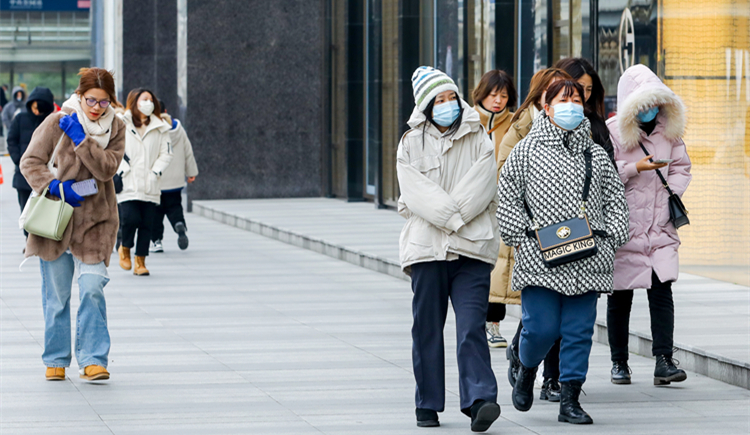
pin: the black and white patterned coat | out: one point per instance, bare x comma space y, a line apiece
547, 168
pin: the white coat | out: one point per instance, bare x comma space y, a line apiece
448, 192
183, 161
145, 160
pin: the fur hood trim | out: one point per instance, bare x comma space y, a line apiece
639, 88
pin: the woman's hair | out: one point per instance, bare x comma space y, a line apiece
132, 105
577, 67
428, 114
539, 83
495, 79
97, 78
567, 87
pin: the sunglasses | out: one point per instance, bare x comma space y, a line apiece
91, 102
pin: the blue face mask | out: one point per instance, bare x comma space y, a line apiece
446, 114
648, 115
568, 115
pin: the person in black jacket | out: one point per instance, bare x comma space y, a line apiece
585, 74
3, 102
40, 104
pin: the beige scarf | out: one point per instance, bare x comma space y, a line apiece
99, 130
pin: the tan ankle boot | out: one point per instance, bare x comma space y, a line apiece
140, 266
55, 373
125, 262
94, 373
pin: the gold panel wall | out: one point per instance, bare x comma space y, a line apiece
704, 56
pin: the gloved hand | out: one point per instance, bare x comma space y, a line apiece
71, 197
72, 127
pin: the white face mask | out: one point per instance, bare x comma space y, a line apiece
146, 107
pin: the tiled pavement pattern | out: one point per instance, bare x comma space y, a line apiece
712, 325
241, 334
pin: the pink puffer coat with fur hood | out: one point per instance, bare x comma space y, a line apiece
653, 241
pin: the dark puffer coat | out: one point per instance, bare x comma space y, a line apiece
23, 127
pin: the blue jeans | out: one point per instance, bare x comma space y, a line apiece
466, 284
548, 315
92, 336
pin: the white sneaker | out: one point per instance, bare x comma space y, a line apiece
494, 339
156, 247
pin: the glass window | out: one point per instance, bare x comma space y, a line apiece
450, 40
373, 82
701, 50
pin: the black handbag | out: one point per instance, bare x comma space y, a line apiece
677, 211
570, 240
117, 179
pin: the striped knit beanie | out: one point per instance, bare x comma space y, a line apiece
428, 82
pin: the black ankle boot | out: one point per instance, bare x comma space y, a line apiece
483, 414
523, 391
570, 408
550, 390
620, 372
511, 354
667, 372
427, 418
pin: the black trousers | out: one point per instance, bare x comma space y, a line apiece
137, 216
495, 312
551, 360
465, 283
23, 198
661, 308
171, 207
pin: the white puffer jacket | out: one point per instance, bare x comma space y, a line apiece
145, 160
448, 192
183, 161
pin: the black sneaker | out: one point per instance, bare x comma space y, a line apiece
550, 390
182, 239
666, 371
427, 418
483, 414
620, 372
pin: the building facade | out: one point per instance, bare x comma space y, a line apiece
700, 49
300, 98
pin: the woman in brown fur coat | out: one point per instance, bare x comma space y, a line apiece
90, 142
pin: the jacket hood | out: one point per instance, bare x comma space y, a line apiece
470, 121
43, 97
13, 94
638, 89
156, 123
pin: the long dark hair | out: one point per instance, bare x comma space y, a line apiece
577, 67
428, 114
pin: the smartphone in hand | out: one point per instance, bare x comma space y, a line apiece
85, 187
664, 161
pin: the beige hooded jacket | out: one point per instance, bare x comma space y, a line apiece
448, 192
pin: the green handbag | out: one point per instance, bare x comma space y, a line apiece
48, 218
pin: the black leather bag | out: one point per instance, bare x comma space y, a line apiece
677, 211
570, 240
117, 179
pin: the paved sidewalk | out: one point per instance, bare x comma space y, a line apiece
712, 324
241, 334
